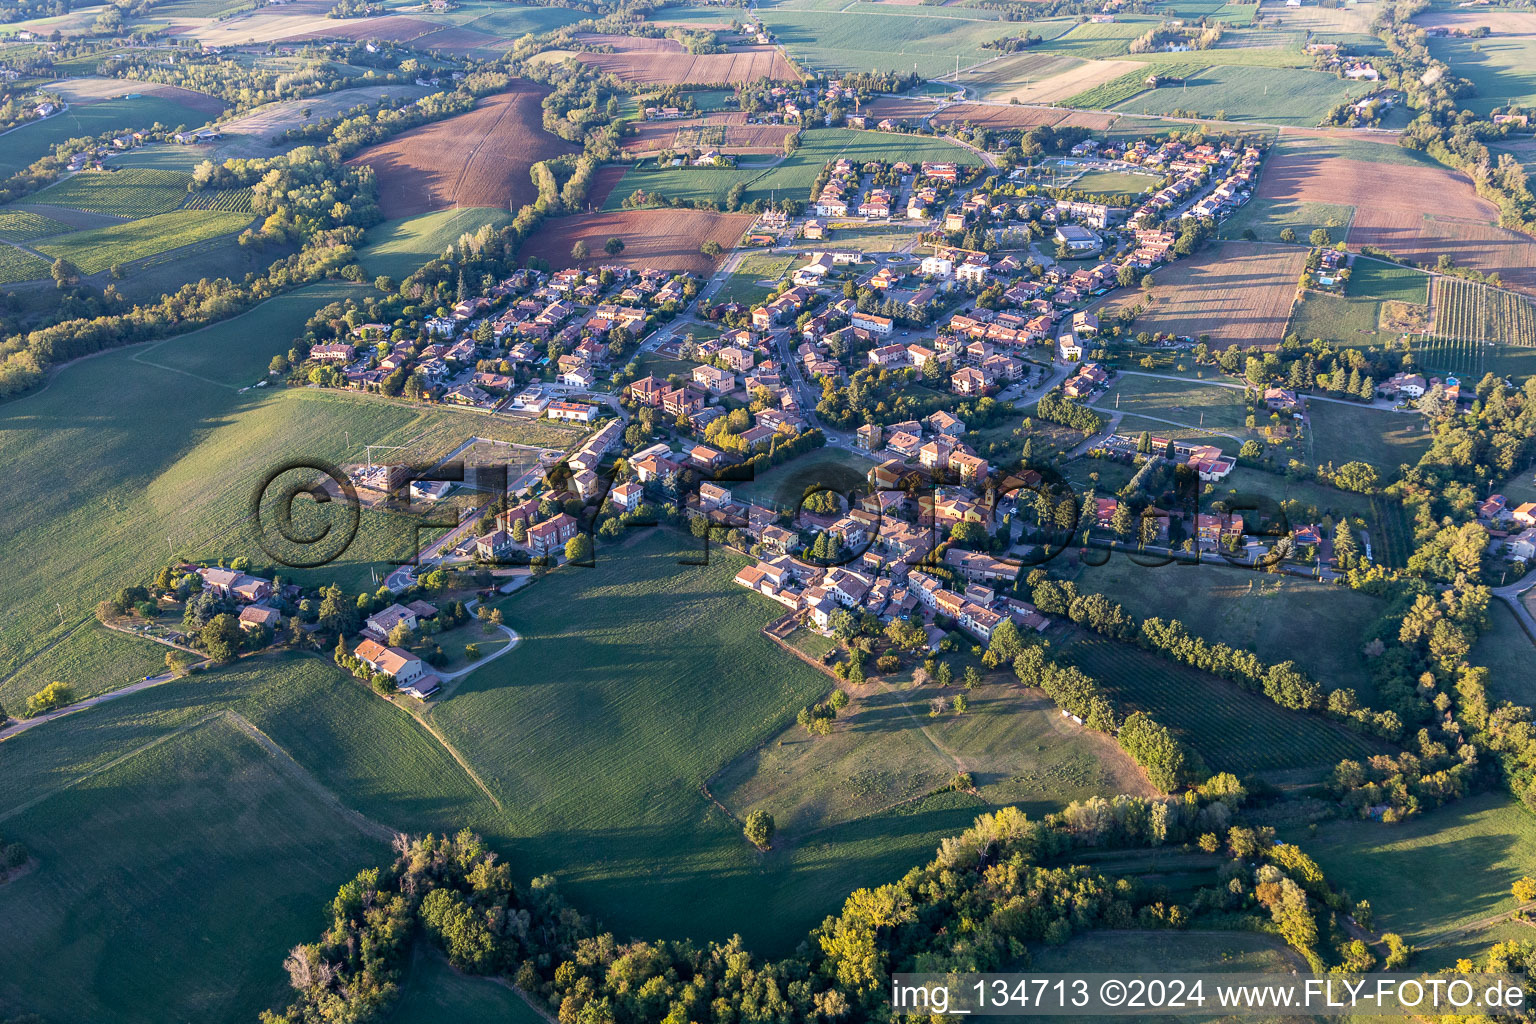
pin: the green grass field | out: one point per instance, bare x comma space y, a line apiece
1474, 849
742, 286
153, 831
1259, 612
16, 266
1346, 433
1131, 951
165, 849
434, 992
886, 749
792, 176
33, 141
100, 248
1266, 218
91, 659
1502, 67
1234, 730
635, 681
1509, 655
1195, 405
785, 485
129, 192
861, 36
238, 351
1355, 316
1274, 95
399, 247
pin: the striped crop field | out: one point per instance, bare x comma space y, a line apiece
224, 200
25, 225
1468, 311
129, 192
1233, 729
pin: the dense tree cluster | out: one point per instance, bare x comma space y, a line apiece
1057, 408
987, 895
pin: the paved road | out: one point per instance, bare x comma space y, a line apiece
1510, 595
17, 728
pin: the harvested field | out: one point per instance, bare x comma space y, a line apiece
603, 183
728, 132
462, 40
670, 64
96, 90
252, 132
652, 238
1089, 119
1392, 201
630, 44
393, 28
300, 19
1000, 118
476, 159
1046, 78
1499, 22
1239, 294
897, 108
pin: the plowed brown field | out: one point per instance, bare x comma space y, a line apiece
1239, 294
1414, 211
739, 137
476, 159
665, 62
1002, 117
667, 239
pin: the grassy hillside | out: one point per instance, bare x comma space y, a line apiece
155, 818
104, 491
398, 247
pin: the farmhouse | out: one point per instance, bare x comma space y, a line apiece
401, 666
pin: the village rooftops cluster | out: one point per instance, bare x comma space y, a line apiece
525, 311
